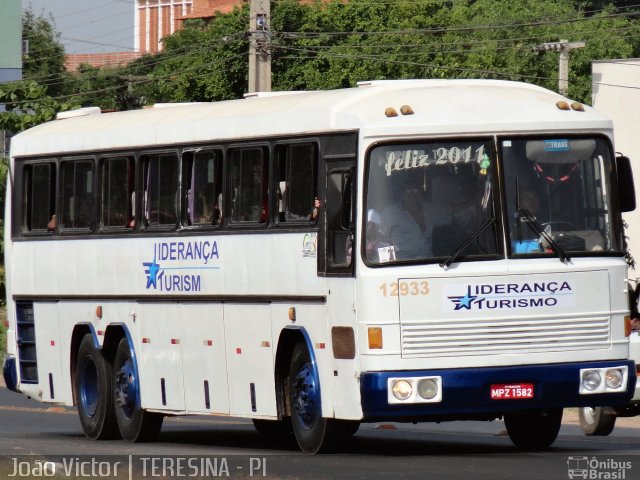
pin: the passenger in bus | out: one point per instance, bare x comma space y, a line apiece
53, 223
377, 247
409, 223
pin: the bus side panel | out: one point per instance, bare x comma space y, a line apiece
250, 359
50, 374
204, 361
159, 356
344, 371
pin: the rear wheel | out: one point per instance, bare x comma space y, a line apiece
314, 433
535, 430
597, 421
135, 424
92, 383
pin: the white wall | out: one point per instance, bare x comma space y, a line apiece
616, 93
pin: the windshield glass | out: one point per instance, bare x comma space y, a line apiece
425, 200
559, 187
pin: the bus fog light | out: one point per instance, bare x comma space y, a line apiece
402, 389
613, 378
427, 388
591, 380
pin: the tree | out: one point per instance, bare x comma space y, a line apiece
44, 59
27, 105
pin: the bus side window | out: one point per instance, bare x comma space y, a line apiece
117, 176
204, 188
160, 189
39, 197
77, 194
340, 196
296, 183
248, 185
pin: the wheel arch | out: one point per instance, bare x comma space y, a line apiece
289, 338
114, 333
79, 332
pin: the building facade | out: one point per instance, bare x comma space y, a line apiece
11, 41
155, 19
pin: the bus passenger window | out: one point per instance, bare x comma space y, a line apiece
249, 180
204, 198
160, 188
296, 183
77, 194
116, 192
39, 197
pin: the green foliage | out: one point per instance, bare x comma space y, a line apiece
27, 105
336, 43
44, 62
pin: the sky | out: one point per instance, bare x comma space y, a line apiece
90, 26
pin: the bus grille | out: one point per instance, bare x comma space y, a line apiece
493, 337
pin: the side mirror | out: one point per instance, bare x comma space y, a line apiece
626, 188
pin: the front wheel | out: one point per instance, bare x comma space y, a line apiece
535, 430
313, 432
92, 383
135, 424
597, 421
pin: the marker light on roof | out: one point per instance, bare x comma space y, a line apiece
562, 105
406, 110
391, 112
577, 106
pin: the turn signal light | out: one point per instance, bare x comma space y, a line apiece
627, 325
375, 338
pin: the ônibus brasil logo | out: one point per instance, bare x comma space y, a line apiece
485, 296
178, 258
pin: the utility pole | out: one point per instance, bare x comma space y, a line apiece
563, 46
259, 47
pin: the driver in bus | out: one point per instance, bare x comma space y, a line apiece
409, 222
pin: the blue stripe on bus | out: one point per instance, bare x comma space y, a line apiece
466, 392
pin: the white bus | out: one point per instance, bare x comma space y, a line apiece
401, 251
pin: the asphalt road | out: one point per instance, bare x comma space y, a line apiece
31, 432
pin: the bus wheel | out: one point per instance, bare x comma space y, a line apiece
534, 430
598, 421
313, 433
135, 424
92, 382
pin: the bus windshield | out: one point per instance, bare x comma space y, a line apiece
430, 201
558, 195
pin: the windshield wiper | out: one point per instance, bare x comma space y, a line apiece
537, 228
475, 234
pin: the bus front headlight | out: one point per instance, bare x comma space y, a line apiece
613, 378
402, 389
591, 380
427, 388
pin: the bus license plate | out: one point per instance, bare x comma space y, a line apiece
512, 391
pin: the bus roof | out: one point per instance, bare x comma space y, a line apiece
438, 106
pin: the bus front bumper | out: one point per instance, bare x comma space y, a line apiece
10, 373
487, 393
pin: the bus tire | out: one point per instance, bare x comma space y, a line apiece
134, 423
95, 400
313, 432
534, 430
597, 421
